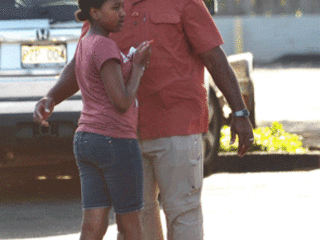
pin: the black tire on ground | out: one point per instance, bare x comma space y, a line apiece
211, 139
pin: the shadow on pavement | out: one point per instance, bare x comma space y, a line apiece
264, 162
293, 61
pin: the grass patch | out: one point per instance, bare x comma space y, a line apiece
266, 139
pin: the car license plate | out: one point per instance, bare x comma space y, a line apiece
43, 55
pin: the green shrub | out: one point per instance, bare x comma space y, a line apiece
266, 139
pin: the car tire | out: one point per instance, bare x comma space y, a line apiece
252, 116
211, 139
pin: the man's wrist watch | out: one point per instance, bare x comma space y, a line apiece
241, 113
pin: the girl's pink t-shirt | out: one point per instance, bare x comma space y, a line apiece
99, 115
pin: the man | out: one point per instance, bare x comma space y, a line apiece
172, 107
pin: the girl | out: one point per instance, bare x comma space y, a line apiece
105, 143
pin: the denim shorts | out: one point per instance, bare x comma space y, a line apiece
111, 172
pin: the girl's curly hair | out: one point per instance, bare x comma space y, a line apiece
83, 13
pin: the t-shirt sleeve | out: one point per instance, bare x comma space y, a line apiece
199, 27
103, 50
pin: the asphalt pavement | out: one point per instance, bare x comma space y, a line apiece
263, 205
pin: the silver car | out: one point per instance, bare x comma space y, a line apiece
37, 39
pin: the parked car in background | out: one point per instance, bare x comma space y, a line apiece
37, 39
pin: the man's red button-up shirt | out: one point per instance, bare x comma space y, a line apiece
172, 96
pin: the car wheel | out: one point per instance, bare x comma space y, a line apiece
252, 116
211, 139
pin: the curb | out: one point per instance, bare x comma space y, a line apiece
263, 162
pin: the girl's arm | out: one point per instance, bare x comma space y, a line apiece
65, 87
123, 95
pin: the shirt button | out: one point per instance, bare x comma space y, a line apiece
135, 14
137, 43
135, 23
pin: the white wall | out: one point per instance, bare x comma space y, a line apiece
269, 38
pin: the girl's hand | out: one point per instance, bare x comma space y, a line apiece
142, 55
43, 110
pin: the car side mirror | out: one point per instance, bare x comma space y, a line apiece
215, 7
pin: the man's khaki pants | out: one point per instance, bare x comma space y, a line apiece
173, 167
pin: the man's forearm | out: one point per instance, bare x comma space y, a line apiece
224, 77
227, 83
66, 85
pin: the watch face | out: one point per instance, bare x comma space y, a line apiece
242, 113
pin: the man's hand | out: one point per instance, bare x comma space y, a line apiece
43, 110
242, 127
217, 64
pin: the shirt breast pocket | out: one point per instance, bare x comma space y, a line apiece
166, 27
159, 18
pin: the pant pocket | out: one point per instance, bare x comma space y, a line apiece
195, 162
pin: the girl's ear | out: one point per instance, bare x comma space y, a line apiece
94, 13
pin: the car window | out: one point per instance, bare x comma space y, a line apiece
54, 10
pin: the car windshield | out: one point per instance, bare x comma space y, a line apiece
54, 10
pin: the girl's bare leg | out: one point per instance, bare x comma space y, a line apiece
129, 226
94, 223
